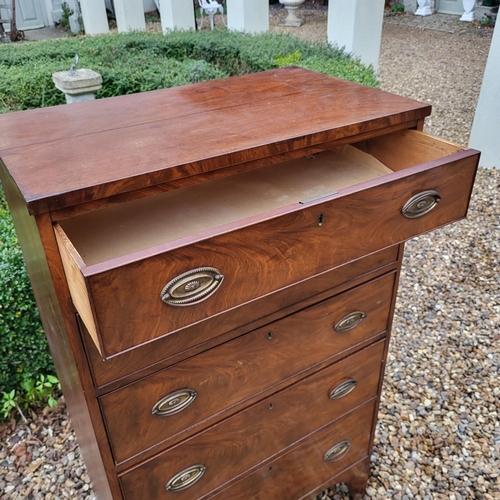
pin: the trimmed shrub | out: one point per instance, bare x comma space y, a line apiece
24, 352
136, 62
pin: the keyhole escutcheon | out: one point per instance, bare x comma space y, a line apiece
321, 219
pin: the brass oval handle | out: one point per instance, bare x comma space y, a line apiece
337, 452
192, 287
186, 478
343, 389
349, 321
174, 402
421, 204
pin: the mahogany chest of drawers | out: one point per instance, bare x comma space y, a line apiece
216, 267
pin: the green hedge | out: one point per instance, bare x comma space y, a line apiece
23, 348
137, 62
129, 63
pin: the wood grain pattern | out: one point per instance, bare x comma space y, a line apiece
250, 437
277, 248
196, 138
192, 180
233, 372
301, 473
166, 351
413, 148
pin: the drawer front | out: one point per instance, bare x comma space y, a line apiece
229, 374
259, 312
262, 257
303, 469
243, 441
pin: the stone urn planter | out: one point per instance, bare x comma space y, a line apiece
424, 8
468, 14
291, 19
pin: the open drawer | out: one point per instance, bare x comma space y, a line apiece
149, 267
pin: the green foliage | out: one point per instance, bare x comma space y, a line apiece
397, 7
23, 348
35, 392
8, 404
66, 12
135, 62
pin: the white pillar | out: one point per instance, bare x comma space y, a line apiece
357, 26
484, 135
176, 14
129, 15
94, 17
251, 16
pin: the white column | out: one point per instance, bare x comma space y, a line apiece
177, 14
484, 135
94, 16
129, 15
357, 26
251, 16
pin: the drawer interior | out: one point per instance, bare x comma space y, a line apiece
127, 228
130, 227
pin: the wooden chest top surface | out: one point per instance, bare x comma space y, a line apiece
67, 155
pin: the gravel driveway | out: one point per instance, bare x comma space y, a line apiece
439, 433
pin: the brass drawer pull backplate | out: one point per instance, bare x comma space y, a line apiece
186, 478
350, 321
192, 287
174, 402
343, 389
421, 204
337, 452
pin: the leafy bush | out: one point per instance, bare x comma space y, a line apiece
135, 62
24, 353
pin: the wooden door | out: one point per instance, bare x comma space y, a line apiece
30, 14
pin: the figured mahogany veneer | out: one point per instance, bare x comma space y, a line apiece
258, 433
304, 464
294, 193
231, 373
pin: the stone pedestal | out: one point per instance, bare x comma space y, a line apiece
291, 19
78, 85
468, 14
424, 8
251, 16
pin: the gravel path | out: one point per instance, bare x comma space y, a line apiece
439, 433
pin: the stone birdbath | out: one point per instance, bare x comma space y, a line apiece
291, 19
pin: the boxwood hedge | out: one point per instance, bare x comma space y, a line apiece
136, 62
129, 63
